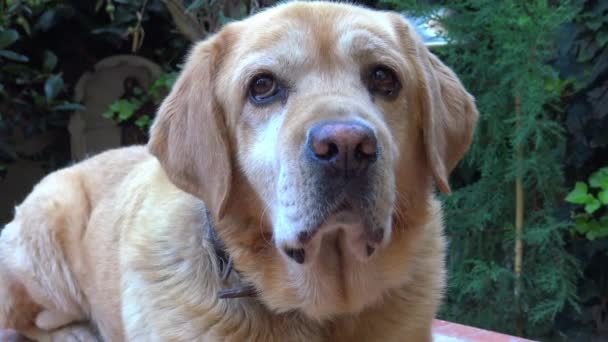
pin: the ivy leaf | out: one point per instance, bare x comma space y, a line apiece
596, 229
110, 9
53, 86
114, 107
581, 225
46, 20
24, 24
143, 121
163, 83
523, 21
124, 109
592, 206
124, 115
603, 197
13, 56
579, 195
8, 37
599, 179
602, 232
50, 61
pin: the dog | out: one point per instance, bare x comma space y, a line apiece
286, 194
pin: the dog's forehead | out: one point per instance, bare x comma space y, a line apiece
299, 30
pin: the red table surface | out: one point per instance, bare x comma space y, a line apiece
442, 332
451, 332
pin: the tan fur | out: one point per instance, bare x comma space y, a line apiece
116, 246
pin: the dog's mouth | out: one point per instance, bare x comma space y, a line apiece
348, 225
344, 212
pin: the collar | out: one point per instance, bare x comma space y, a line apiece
225, 266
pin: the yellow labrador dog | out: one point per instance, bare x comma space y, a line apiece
286, 194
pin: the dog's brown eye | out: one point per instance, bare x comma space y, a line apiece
383, 81
263, 89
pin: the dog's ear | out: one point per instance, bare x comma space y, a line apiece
449, 117
189, 135
447, 111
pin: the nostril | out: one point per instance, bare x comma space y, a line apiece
296, 254
366, 151
325, 150
346, 145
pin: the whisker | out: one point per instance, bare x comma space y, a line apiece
398, 211
261, 226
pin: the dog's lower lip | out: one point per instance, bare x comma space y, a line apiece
344, 206
370, 250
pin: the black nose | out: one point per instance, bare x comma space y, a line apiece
348, 147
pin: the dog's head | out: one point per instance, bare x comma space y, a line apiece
313, 132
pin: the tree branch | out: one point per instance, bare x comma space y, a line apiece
186, 23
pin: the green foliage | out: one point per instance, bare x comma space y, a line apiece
7, 38
582, 58
33, 97
586, 223
122, 110
38, 70
502, 50
128, 19
129, 110
217, 9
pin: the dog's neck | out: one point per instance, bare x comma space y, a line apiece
224, 262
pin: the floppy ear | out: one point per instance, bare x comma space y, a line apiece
448, 111
449, 119
189, 135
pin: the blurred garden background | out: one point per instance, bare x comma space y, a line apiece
528, 219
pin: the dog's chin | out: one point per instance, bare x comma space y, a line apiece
339, 240
342, 278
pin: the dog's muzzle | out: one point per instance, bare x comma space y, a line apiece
342, 159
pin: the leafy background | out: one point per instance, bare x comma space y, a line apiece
539, 72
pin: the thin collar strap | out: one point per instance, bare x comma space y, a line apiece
225, 265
